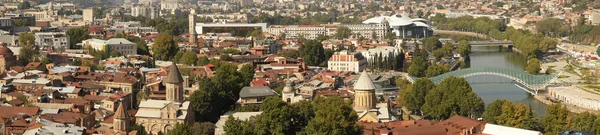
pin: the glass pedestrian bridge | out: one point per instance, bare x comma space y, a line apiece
528, 82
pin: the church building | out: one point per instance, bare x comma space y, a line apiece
365, 102
160, 116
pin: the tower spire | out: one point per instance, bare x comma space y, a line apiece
121, 119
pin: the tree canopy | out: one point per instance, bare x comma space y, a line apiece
29, 52
415, 98
218, 94
533, 66
330, 115
312, 53
76, 35
452, 96
343, 32
557, 119
164, 48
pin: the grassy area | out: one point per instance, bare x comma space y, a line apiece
595, 87
563, 76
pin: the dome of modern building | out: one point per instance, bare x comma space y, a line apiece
404, 26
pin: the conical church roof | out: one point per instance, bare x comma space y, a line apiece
174, 76
364, 82
121, 112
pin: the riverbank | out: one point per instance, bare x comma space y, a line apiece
572, 108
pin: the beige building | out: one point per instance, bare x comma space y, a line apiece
121, 45
162, 115
88, 15
346, 61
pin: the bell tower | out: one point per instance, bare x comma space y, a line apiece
174, 84
192, 27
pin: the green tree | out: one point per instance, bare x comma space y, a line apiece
557, 119
217, 94
202, 61
291, 54
204, 128
585, 121
25, 5
238, 127
517, 115
164, 47
142, 48
436, 69
342, 32
547, 44
179, 129
29, 51
188, 58
257, 34
141, 130
333, 116
431, 44
405, 87
552, 27
464, 48
415, 98
493, 111
115, 53
533, 66
390, 36
232, 51
452, 96
276, 118
247, 72
418, 66
312, 53
76, 35
177, 57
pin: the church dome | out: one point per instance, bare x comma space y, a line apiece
288, 87
5, 51
364, 82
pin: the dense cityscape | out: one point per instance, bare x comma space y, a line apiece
305, 67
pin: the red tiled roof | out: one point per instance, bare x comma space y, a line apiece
10, 111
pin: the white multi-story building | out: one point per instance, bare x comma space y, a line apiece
121, 45
145, 11
297, 31
384, 51
52, 40
347, 61
169, 4
39, 15
369, 31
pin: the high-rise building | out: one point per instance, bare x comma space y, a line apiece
192, 26
150, 12
88, 15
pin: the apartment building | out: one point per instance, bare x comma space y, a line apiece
346, 61
52, 40
297, 31
122, 45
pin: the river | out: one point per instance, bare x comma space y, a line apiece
494, 57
